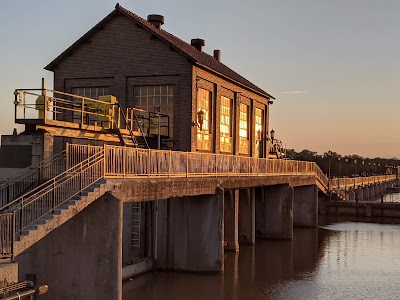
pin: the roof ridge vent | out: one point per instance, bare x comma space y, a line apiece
156, 20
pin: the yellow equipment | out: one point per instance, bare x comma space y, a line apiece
42, 104
105, 109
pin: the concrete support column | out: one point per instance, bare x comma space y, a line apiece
82, 258
190, 233
352, 195
274, 212
371, 192
231, 220
359, 194
365, 193
305, 212
247, 218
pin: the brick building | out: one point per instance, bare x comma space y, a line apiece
211, 107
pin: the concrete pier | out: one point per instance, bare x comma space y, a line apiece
274, 212
231, 220
305, 212
190, 234
247, 217
81, 259
366, 196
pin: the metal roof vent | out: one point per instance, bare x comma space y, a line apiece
217, 55
198, 43
156, 20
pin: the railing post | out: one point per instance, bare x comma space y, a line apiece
201, 160
104, 160
124, 161
54, 196
80, 180
13, 235
187, 164
148, 163
169, 164
21, 215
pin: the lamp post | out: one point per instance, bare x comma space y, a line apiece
338, 183
355, 172
272, 136
329, 172
369, 168
362, 174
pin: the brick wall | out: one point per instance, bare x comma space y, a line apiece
122, 55
202, 78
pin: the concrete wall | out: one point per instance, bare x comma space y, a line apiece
81, 259
122, 55
190, 234
8, 273
42, 147
274, 212
305, 212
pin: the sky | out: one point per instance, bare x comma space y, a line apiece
333, 66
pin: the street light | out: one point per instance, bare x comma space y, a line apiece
362, 174
339, 174
329, 170
355, 172
346, 161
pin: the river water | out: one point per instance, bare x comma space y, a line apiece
346, 260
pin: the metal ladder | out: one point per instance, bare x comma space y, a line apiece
135, 225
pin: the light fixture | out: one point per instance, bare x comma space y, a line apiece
272, 136
200, 119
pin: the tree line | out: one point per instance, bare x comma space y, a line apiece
347, 165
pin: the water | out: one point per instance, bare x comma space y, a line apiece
340, 261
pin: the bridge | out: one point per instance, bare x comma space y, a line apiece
212, 203
87, 211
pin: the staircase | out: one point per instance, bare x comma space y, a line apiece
29, 178
130, 140
30, 217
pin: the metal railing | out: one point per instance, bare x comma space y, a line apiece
25, 180
6, 235
132, 162
46, 198
339, 183
88, 164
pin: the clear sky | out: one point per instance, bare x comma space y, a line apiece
333, 66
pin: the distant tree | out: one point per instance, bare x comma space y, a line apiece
353, 167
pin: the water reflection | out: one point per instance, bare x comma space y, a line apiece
338, 261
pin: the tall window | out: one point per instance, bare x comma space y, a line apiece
258, 131
156, 98
226, 125
244, 129
204, 134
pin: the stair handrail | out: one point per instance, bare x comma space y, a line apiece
15, 220
19, 182
39, 188
128, 125
53, 185
20, 173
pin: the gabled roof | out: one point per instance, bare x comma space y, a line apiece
198, 57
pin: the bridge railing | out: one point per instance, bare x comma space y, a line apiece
359, 181
134, 162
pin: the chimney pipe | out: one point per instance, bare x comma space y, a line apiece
217, 55
156, 20
198, 44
